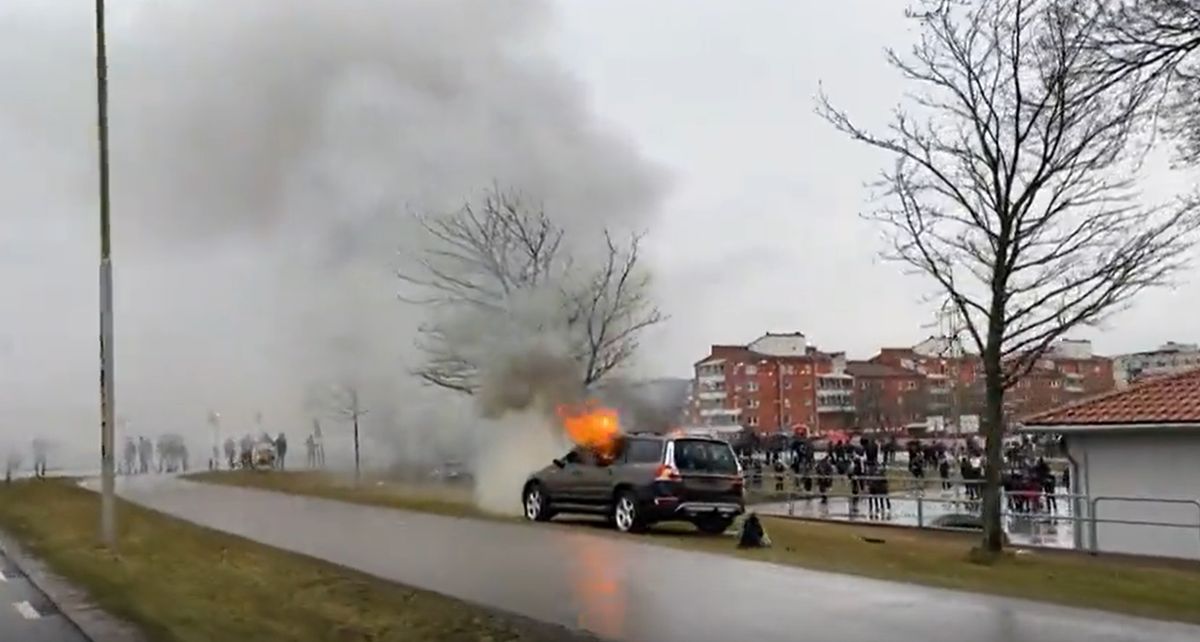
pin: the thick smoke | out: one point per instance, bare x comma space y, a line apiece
267, 158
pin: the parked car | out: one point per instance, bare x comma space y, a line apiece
653, 478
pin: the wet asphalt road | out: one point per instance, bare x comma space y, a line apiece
25, 613
620, 588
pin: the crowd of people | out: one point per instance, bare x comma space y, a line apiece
869, 467
167, 454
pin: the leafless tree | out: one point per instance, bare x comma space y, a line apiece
1012, 186
485, 255
1160, 41
868, 404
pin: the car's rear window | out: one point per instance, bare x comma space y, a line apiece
701, 456
643, 451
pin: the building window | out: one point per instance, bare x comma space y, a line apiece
911, 385
787, 419
863, 385
787, 403
787, 384
789, 369
751, 370
1056, 384
752, 420
752, 386
807, 401
807, 385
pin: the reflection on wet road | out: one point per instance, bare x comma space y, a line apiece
622, 588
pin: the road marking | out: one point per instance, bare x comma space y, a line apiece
26, 610
2, 578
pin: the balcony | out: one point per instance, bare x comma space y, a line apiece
835, 407
720, 412
710, 378
711, 395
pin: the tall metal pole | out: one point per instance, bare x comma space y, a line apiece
108, 503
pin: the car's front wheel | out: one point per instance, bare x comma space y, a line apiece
713, 525
537, 505
626, 515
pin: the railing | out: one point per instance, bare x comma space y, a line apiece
909, 502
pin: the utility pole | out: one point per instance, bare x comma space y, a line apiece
108, 502
355, 410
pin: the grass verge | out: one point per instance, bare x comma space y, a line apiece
182, 582
1152, 588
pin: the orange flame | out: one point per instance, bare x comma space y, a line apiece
593, 427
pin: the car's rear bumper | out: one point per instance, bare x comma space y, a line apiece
664, 508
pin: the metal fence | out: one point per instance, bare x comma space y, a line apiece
1060, 519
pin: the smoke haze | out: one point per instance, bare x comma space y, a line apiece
267, 157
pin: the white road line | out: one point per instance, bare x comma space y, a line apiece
2, 578
26, 610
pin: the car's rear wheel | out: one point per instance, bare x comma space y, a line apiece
626, 515
537, 505
713, 524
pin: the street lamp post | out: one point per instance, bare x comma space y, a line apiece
108, 514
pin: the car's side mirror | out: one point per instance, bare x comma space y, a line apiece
560, 463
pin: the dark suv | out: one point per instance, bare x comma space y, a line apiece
653, 478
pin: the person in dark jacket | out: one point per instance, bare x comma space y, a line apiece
857, 483
824, 479
280, 450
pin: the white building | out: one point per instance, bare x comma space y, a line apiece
1169, 358
1133, 456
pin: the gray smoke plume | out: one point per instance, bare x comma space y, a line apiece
267, 156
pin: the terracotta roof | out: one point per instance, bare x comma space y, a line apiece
1173, 399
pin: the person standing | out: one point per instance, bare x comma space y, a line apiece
281, 447
310, 447
230, 452
944, 471
824, 479
39, 457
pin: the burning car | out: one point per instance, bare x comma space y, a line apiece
638, 479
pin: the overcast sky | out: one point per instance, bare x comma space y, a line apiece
760, 231
268, 156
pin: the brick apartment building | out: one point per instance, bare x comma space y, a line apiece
775, 383
779, 382
955, 382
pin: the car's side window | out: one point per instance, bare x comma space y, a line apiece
643, 451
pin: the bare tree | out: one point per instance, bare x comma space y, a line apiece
868, 404
1160, 41
485, 255
1011, 187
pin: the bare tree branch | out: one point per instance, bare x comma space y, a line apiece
485, 254
1160, 40
1012, 183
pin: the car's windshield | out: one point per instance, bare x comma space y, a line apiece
703, 456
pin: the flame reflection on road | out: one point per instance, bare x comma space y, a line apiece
598, 580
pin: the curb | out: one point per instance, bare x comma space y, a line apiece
73, 603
